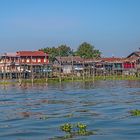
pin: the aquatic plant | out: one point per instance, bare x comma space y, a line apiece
78, 129
81, 126
135, 112
82, 129
66, 127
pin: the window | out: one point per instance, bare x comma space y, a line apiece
22, 60
45, 59
39, 60
34, 60
28, 60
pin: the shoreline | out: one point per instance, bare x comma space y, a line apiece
67, 79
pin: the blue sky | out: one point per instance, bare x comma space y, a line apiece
113, 26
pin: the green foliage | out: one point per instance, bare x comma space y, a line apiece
66, 127
81, 126
62, 50
135, 112
52, 52
82, 129
86, 50
78, 129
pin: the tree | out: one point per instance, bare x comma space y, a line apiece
51, 51
62, 50
86, 50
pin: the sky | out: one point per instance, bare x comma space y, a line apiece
112, 26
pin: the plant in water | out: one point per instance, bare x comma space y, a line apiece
78, 129
135, 112
81, 126
66, 127
82, 129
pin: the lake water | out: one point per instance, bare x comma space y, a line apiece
36, 112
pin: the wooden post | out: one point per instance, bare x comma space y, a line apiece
32, 76
93, 72
113, 71
4, 68
104, 71
46, 68
60, 80
10, 69
24, 72
72, 68
83, 70
90, 70
20, 81
136, 67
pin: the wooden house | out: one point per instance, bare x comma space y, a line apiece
110, 65
134, 55
33, 60
23, 62
68, 64
9, 62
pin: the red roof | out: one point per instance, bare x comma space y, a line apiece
112, 59
31, 53
117, 59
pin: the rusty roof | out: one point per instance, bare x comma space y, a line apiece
31, 53
78, 59
112, 59
117, 59
69, 59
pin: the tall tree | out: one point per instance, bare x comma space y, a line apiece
86, 50
53, 52
62, 50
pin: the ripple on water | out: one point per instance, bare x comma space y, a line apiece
36, 112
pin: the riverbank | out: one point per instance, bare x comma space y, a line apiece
69, 79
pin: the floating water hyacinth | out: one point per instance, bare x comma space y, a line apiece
66, 127
81, 126
78, 129
135, 112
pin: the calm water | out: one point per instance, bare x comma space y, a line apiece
104, 106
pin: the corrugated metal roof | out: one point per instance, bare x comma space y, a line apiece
69, 59
117, 59
10, 54
112, 59
134, 54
